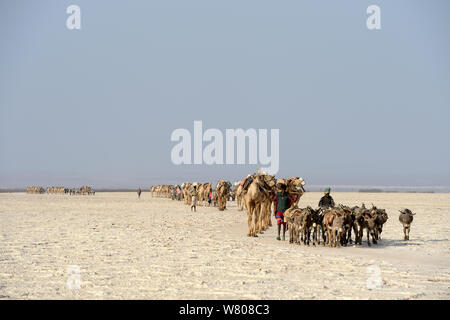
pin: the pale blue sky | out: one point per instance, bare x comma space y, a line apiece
97, 105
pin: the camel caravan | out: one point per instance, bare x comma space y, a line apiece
57, 190
162, 191
202, 194
35, 190
83, 190
260, 194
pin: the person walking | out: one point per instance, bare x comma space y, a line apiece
179, 194
194, 198
209, 198
282, 201
139, 192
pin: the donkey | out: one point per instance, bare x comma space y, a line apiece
307, 222
381, 219
317, 217
406, 218
337, 230
333, 221
371, 228
291, 223
349, 218
358, 222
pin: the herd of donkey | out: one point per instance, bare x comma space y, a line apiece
333, 225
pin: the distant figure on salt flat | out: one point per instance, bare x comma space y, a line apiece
194, 198
209, 198
139, 192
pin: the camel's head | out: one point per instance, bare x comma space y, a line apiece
222, 184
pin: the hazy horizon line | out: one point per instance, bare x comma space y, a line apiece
310, 188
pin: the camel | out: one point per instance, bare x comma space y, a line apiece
200, 187
203, 190
164, 191
158, 191
186, 188
161, 191
240, 198
222, 190
256, 194
241, 190
266, 205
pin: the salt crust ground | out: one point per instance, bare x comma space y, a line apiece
156, 248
